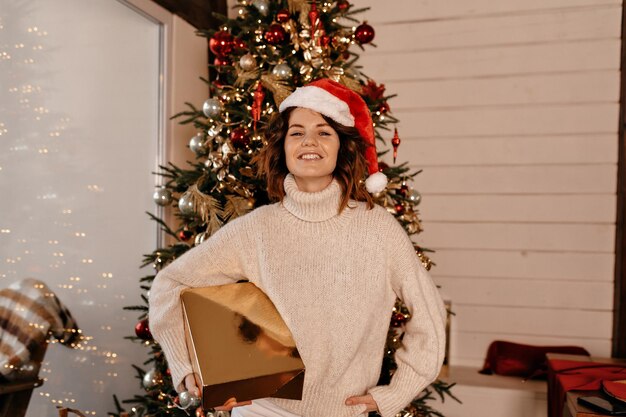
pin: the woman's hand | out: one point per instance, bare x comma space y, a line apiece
228, 405
232, 402
368, 400
190, 385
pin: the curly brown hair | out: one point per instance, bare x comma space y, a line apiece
349, 172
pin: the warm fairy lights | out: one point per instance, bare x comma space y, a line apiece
63, 254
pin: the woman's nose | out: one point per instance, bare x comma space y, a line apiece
309, 140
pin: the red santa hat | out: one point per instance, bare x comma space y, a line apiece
345, 107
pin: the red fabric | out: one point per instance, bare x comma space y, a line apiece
568, 375
615, 389
526, 361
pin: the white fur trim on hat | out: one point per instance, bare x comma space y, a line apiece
321, 101
376, 182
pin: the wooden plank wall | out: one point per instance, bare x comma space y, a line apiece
511, 109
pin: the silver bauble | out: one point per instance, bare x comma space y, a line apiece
151, 379
247, 62
162, 196
188, 400
282, 71
414, 197
185, 204
262, 5
197, 144
212, 108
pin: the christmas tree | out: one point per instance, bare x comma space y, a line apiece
261, 56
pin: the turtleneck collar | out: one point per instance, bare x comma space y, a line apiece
313, 207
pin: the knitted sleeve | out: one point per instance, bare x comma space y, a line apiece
218, 260
420, 358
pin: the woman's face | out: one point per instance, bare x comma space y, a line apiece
311, 148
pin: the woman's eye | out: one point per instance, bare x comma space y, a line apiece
296, 134
325, 133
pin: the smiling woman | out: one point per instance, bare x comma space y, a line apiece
322, 249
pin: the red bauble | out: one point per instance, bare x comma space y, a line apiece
221, 61
399, 208
142, 330
240, 45
398, 320
275, 34
343, 5
221, 43
239, 137
395, 142
184, 235
283, 16
325, 40
364, 33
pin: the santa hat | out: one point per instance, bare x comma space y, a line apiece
345, 107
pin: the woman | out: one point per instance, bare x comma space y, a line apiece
331, 261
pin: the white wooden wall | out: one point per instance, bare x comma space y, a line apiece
511, 109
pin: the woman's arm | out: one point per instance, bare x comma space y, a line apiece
421, 356
218, 260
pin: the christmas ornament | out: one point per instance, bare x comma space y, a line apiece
221, 61
414, 197
314, 19
142, 330
221, 43
162, 196
399, 208
197, 144
247, 62
185, 235
188, 400
185, 204
200, 237
262, 5
239, 137
239, 44
373, 91
398, 320
282, 16
152, 379
212, 108
384, 107
364, 33
395, 142
325, 41
259, 96
275, 34
213, 131
282, 72
343, 5
403, 190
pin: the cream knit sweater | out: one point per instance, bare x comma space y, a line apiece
334, 279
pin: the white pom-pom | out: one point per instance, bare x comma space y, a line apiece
376, 182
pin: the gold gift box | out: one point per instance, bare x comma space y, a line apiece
239, 345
